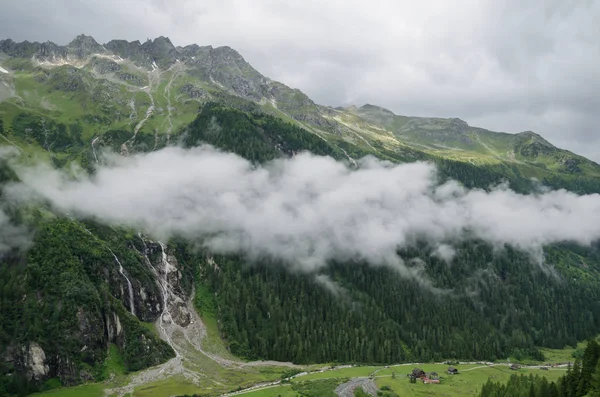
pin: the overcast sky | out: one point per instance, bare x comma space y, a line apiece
503, 65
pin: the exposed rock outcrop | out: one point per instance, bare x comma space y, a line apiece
36, 361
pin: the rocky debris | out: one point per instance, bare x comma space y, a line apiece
192, 91
104, 66
130, 78
571, 165
347, 389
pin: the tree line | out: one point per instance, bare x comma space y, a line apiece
582, 379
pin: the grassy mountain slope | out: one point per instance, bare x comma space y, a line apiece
455, 139
153, 88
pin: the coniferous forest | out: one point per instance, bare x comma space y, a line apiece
481, 306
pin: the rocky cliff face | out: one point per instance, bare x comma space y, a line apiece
143, 282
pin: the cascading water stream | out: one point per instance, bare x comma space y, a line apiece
166, 289
122, 271
94, 148
129, 286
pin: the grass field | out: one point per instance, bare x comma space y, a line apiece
91, 390
467, 383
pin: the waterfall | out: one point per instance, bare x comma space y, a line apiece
94, 149
166, 289
129, 286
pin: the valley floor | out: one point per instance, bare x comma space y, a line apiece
467, 383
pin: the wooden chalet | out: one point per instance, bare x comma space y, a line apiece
417, 373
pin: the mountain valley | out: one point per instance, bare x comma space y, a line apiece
88, 300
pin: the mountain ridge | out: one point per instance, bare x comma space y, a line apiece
225, 69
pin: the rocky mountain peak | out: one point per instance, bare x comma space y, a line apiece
533, 138
51, 51
161, 51
227, 52
84, 41
531, 135
83, 45
163, 41
530, 144
459, 124
368, 107
160, 44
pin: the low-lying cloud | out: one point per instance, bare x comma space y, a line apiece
307, 210
11, 235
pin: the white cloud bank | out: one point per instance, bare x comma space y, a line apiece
307, 210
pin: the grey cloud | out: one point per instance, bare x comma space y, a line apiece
308, 210
505, 65
11, 235
329, 284
445, 252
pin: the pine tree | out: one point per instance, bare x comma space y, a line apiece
595, 382
573, 379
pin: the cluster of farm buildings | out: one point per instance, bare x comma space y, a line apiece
428, 377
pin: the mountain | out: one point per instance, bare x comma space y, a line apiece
86, 301
454, 138
116, 83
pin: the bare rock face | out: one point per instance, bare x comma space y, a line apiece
113, 326
83, 46
178, 310
36, 362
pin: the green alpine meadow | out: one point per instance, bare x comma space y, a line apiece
143, 251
